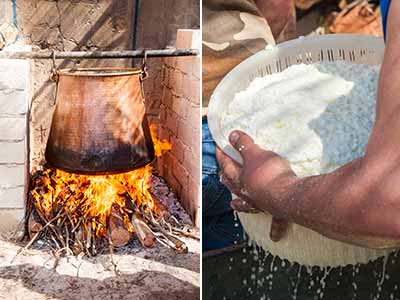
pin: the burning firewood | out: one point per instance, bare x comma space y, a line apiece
77, 213
144, 233
34, 226
187, 231
120, 236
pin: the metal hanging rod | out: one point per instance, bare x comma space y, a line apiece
98, 54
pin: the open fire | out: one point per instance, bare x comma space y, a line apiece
80, 213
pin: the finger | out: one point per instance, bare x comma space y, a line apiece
229, 168
278, 229
229, 184
235, 188
243, 206
243, 143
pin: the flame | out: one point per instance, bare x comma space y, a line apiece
90, 199
160, 146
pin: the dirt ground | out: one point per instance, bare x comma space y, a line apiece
157, 273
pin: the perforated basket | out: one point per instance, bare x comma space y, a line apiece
359, 49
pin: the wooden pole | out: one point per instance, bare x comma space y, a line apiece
98, 54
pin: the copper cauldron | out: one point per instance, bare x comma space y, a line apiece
99, 124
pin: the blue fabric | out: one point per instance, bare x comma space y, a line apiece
385, 4
219, 227
209, 161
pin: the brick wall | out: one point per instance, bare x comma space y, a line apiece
157, 28
180, 123
14, 103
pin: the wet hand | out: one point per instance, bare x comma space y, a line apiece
260, 181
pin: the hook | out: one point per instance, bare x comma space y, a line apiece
144, 74
54, 74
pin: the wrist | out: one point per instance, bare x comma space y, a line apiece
316, 201
280, 197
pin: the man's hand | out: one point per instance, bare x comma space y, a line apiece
340, 205
260, 169
261, 180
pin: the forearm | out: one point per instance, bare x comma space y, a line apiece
313, 201
352, 205
358, 189
388, 89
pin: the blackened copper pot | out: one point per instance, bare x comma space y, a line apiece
99, 124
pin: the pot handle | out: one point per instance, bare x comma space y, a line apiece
144, 74
54, 76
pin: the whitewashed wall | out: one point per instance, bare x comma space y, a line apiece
14, 107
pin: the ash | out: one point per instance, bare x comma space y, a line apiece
167, 197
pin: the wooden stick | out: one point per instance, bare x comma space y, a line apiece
88, 238
168, 237
166, 241
94, 250
188, 232
35, 237
78, 246
143, 231
52, 227
111, 248
33, 225
178, 244
119, 234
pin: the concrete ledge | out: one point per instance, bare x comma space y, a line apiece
11, 219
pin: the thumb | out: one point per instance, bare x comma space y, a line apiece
244, 144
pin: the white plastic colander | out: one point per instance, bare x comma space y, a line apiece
360, 49
311, 248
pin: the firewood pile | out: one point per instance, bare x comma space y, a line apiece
77, 214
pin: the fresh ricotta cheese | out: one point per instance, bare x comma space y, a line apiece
317, 116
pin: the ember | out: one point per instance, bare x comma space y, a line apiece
79, 213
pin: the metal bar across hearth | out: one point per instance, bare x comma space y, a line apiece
98, 54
